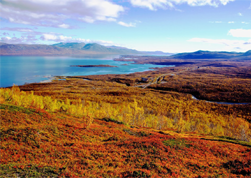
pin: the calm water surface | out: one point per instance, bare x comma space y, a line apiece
19, 70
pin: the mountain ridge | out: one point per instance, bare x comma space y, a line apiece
95, 48
200, 54
61, 49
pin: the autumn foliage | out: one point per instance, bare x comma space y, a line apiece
148, 108
106, 127
38, 143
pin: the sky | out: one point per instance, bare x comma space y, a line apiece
145, 25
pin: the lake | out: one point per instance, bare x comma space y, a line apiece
19, 70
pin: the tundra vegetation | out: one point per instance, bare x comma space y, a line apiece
135, 125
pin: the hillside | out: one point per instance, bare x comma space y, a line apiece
41, 137
62, 49
95, 47
70, 45
210, 55
24, 49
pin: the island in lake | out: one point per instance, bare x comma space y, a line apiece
92, 66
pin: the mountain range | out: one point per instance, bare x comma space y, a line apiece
213, 55
60, 49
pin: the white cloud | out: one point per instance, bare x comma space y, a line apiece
49, 38
127, 24
155, 4
8, 38
240, 45
87, 19
30, 36
64, 26
30, 39
240, 14
17, 29
151, 4
240, 33
54, 13
231, 22
68, 39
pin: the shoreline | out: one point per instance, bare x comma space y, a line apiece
188, 78
19, 79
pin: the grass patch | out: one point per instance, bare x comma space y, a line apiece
17, 109
229, 140
179, 143
15, 170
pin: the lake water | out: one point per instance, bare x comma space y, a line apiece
19, 70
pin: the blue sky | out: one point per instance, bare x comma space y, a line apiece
145, 25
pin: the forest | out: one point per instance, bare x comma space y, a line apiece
145, 124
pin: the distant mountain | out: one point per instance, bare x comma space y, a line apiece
123, 49
248, 53
208, 55
117, 47
25, 49
70, 45
62, 49
96, 47
156, 53
109, 49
